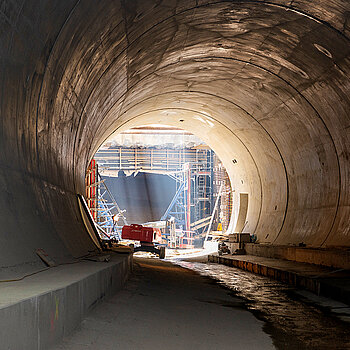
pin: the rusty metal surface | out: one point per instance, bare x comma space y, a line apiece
265, 83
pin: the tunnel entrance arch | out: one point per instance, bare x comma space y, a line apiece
241, 168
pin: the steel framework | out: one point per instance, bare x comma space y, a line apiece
193, 197
196, 172
103, 206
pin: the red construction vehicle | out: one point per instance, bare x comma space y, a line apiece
148, 238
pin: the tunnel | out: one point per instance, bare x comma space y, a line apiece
264, 83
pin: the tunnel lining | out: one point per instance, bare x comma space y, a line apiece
216, 57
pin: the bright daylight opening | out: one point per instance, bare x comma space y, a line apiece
162, 179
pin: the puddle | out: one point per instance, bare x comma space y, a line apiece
292, 320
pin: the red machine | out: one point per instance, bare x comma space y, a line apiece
138, 233
147, 238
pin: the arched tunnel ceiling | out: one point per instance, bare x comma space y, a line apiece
272, 77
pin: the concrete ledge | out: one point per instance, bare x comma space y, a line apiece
338, 258
40, 310
320, 280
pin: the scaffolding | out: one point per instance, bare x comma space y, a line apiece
202, 193
153, 160
193, 197
190, 168
198, 175
177, 206
102, 204
109, 213
91, 188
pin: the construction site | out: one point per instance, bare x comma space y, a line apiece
165, 167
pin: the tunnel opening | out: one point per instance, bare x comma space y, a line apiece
162, 177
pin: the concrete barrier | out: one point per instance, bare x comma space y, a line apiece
338, 258
39, 311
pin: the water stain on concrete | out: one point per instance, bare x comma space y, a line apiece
292, 322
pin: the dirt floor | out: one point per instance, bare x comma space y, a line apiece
167, 307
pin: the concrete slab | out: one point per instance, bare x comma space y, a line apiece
331, 257
35, 313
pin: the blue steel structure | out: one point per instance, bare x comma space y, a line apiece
191, 168
194, 194
108, 212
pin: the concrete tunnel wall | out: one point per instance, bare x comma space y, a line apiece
265, 83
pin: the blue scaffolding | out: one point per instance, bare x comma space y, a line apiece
108, 212
194, 193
